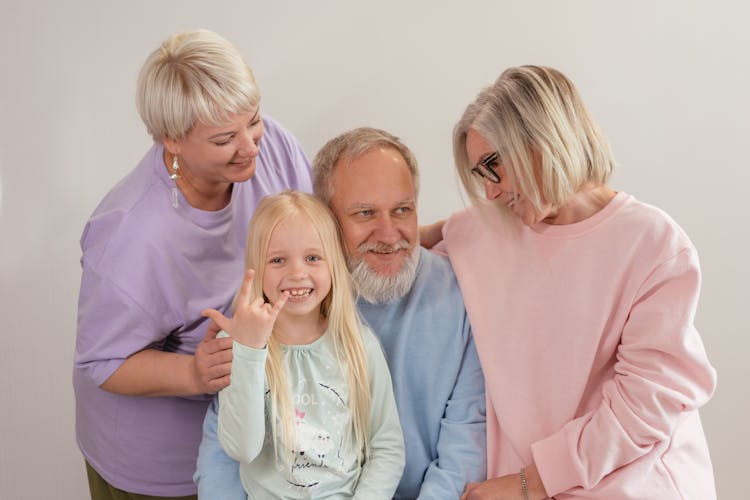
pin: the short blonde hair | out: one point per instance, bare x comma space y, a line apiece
350, 146
193, 77
534, 111
339, 307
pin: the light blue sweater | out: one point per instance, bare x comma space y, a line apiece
438, 387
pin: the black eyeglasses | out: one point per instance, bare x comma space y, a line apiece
484, 169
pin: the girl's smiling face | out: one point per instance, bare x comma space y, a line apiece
296, 263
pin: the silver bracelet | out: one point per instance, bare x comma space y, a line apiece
524, 485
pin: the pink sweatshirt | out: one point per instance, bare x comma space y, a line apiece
594, 369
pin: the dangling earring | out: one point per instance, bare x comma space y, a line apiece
174, 176
175, 167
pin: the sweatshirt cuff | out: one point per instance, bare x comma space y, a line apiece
554, 463
243, 351
248, 353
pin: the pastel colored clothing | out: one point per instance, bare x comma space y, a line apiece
594, 370
437, 382
149, 268
323, 463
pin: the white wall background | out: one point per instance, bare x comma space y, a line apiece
669, 81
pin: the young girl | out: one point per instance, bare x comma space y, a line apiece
309, 412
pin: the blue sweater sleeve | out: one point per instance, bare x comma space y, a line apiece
217, 475
461, 443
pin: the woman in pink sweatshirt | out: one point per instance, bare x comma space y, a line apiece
582, 301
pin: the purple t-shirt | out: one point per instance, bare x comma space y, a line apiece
148, 270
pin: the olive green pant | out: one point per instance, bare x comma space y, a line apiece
102, 490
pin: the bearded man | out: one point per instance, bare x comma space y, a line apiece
411, 300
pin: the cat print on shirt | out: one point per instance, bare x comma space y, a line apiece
317, 453
311, 443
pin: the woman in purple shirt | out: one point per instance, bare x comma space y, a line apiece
165, 243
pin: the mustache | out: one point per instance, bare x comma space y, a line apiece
384, 247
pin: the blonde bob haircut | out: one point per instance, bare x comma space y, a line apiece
339, 308
545, 138
348, 147
193, 77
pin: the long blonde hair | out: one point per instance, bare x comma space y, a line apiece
339, 308
534, 109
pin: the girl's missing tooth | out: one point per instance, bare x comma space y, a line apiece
310, 409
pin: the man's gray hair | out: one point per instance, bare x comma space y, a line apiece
350, 146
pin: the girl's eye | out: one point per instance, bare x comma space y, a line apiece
313, 258
276, 260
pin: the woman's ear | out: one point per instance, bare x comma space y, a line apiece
172, 146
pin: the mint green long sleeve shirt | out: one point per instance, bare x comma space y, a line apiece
323, 463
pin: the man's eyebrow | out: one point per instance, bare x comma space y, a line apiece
359, 205
406, 201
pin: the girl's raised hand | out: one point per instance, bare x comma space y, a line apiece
252, 322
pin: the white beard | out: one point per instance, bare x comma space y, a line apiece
376, 288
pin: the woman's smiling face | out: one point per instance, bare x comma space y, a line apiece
220, 154
480, 151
